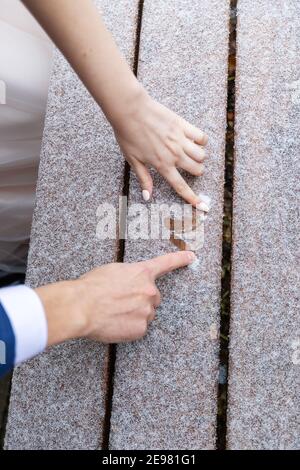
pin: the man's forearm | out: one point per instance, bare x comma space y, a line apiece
78, 30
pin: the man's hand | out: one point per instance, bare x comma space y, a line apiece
113, 303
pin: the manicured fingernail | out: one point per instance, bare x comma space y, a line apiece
204, 203
203, 207
205, 198
191, 257
146, 195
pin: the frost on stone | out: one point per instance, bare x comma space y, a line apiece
294, 87
194, 266
205, 198
213, 332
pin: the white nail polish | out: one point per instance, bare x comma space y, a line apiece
203, 207
206, 199
146, 195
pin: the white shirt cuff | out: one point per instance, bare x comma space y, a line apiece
28, 320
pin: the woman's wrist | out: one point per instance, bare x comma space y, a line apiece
131, 99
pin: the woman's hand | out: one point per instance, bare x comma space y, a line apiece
152, 135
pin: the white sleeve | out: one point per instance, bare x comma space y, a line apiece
28, 320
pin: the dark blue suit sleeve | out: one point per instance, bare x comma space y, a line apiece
7, 343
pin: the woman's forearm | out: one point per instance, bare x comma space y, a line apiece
148, 133
78, 30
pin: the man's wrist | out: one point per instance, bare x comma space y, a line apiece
65, 319
27, 317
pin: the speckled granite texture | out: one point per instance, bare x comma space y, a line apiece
264, 385
165, 385
57, 400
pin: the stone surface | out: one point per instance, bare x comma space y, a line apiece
165, 385
57, 400
265, 332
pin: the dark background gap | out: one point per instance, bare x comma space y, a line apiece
120, 255
227, 237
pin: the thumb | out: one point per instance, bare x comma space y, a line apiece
165, 264
144, 178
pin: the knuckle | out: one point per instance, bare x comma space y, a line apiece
171, 137
177, 157
159, 166
142, 329
148, 311
146, 271
174, 148
172, 131
202, 154
180, 187
151, 290
205, 138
